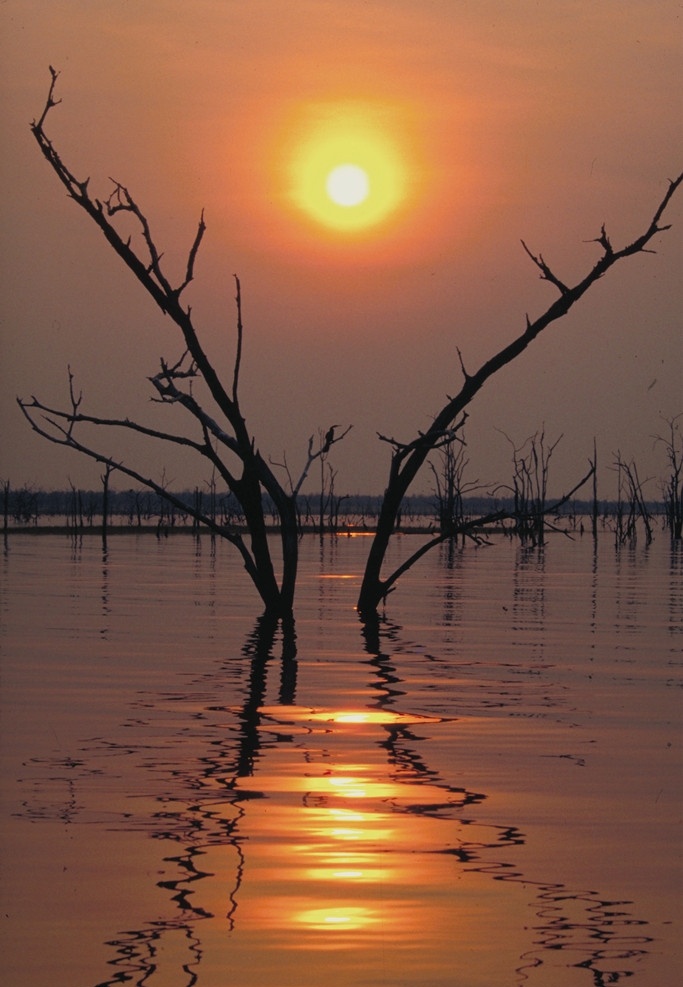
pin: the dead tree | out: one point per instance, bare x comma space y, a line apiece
222, 437
105, 504
408, 457
595, 506
529, 487
329, 503
673, 486
5, 505
450, 486
631, 504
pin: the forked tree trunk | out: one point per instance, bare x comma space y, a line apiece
225, 439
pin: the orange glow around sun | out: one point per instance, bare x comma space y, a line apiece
347, 166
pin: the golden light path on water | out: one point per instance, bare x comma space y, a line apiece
357, 831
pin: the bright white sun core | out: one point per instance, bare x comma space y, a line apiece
348, 185
347, 164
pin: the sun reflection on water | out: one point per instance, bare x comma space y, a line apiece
348, 917
386, 717
342, 831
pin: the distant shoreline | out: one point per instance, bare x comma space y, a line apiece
341, 531
182, 529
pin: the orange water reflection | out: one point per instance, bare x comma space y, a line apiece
332, 841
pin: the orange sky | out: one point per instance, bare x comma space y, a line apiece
509, 120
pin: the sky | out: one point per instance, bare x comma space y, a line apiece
479, 122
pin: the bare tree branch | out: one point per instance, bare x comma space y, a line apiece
238, 352
54, 416
51, 101
330, 439
546, 273
408, 458
227, 428
467, 527
192, 256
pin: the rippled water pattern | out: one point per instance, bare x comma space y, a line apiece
482, 790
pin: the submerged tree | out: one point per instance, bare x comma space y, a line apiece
673, 487
529, 486
224, 439
450, 486
407, 458
631, 503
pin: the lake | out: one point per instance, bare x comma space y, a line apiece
483, 789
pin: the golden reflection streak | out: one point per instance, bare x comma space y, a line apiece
345, 918
286, 714
353, 886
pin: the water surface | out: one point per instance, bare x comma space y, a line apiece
482, 789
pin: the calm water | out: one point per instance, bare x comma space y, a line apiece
482, 791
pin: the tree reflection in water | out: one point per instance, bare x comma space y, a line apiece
344, 864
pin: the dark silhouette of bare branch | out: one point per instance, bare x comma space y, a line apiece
222, 428
407, 458
224, 439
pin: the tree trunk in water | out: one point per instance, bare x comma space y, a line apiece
105, 507
289, 536
373, 590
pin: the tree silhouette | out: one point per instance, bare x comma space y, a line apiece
407, 458
224, 439
222, 436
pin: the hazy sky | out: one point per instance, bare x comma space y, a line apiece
489, 121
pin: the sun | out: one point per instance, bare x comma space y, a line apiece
348, 185
347, 170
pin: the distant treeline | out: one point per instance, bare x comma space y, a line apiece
27, 506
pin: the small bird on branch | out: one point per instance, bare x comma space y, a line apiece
329, 439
